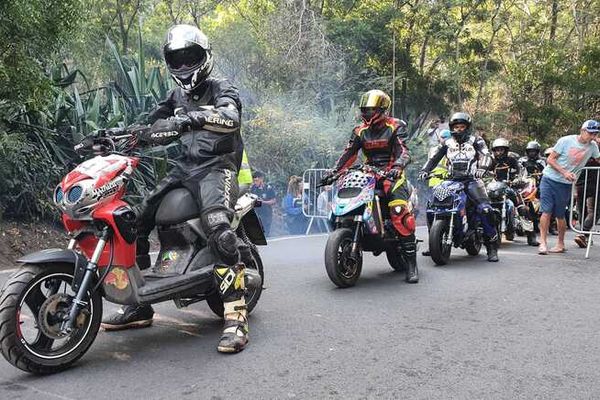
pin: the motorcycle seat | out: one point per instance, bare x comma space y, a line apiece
176, 207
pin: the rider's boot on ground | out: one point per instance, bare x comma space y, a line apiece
135, 316
409, 248
426, 253
532, 239
230, 281
491, 246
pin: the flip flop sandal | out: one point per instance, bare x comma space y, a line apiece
556, 250
543, 250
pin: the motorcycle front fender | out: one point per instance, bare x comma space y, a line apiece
59, 256
54, 256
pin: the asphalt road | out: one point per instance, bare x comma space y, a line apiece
524, 328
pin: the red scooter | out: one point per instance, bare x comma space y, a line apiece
51, 308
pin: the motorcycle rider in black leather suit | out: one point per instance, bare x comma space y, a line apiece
468, 161
208, 165
380, 139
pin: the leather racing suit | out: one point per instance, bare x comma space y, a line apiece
383, 148
210, 158
464, 159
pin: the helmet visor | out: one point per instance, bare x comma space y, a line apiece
185, 59
367, 113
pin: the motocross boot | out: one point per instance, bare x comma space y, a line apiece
491, 246
409, 248
231, 286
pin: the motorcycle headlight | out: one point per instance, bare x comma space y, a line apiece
74, 194
58, 195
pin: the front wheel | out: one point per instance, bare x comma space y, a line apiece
342, 267
438, 235
33, 303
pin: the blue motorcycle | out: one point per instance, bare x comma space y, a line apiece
453, 222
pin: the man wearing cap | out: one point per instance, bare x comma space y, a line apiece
568, 157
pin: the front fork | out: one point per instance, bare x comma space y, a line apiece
355, 241
503, 224
88, 276
450, 237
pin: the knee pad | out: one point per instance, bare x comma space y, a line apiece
230, 282
223, 242
221, 239
404, 222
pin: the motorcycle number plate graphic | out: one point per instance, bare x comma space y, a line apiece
118, 278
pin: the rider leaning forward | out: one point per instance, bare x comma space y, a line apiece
379, 138
468, 161
207, 167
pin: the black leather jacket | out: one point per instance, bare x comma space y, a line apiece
214, 140
506, 168
533, 166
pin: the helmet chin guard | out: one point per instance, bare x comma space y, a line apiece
188, 56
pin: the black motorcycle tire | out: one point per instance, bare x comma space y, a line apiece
216, 304
13, 348
440, 252
337, 243
395, 259
473, 247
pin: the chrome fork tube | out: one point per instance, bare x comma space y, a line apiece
90, 271
450, 236
356, 237
503, 224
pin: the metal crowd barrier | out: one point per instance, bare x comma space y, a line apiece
316, 202
585, 201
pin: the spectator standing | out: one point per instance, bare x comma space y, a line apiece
568, 157
267, 196
292, 206
588, 204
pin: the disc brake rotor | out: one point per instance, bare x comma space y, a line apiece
52, 313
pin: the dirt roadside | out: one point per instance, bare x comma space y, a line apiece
17, 239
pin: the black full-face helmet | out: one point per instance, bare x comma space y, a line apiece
188, 56
533, 150
460, 118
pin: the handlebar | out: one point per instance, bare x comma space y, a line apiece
105, 141
328, 180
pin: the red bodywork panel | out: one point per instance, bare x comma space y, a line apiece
124, 253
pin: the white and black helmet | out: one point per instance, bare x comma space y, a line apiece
499, 143
188, 56
533, 145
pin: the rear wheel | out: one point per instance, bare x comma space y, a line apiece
216, 304
33, 303
473, 247
438, 235
342, 268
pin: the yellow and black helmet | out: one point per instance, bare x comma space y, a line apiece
376, 99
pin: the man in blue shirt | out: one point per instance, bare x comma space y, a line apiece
568, 157
267, 196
